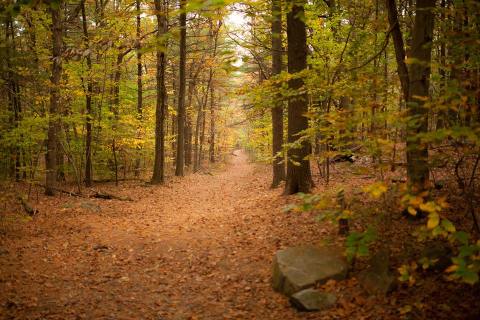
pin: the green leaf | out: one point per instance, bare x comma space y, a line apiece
462, 237
448, 226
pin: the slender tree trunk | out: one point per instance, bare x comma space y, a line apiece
299, 177
116, 104
419, 80
88, 102
180, 159
399, 46
159, 162
211, 150
51, 155
13, 92
188, 127
139, 86
196, 162
277, 111
202, 133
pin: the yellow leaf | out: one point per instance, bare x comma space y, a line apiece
429, 207
416, 201
433, 220
452, 268
412, 211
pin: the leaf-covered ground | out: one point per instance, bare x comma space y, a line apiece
199, 247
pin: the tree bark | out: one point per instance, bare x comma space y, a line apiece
88, 102
51, 155
188, 126
419, 80
180, 158
398, 45
159, 162
277, 110
139, 85
211, 150
299, 178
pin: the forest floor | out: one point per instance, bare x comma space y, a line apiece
198, 247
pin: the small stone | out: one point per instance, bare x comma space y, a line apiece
312, 300
100, 247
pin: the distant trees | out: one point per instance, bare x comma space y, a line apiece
92, 91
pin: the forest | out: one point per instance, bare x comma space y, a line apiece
254, 159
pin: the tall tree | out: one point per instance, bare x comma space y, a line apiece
419, 80
139, 80
180, 158
88, 100
211, 151
277, 109
414, 81
52, 144
160, 110
299, 177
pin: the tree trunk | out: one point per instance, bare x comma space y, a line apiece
277, 110
398, 45
299, 178
419, 80
180, 159
159, 162
51, 155
211, 150
13, 92
88, 102
188, 127
196, 164
139, 87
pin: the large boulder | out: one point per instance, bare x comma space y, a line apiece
312, 300
298, 268
377, 279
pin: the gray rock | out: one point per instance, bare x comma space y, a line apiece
312, 300
298, 268
90, 206
377, 279
438, 254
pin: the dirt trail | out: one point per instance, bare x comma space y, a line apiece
199, 247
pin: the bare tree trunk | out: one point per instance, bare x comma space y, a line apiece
419, 80
398, 45
88, 102
51, 155
159, 163
139, 86
196, 164
211, 151
277, 111
13, 92
180, 159
299, 177
115, 106
202, 133
188, 127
